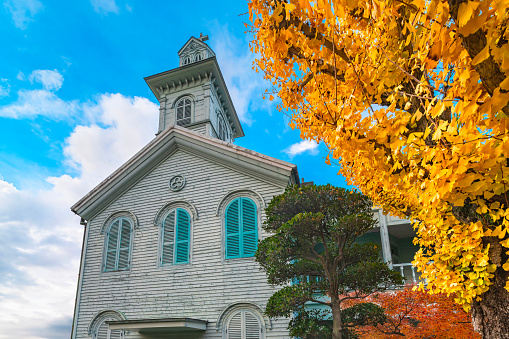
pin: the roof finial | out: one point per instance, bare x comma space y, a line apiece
203, 37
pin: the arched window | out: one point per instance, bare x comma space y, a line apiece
243, 324
118, 245
241, 228
221, 127
223, 130
99, 329
187, 60
183, 111
198, 57
175, 237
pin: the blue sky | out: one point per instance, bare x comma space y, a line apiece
74, 107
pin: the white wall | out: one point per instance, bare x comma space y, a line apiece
201, 289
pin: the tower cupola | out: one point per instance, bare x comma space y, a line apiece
194, 95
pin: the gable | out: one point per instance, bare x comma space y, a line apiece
206, 182
194, 50
232, 157
194, 44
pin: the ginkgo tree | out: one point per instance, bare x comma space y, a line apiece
411, 98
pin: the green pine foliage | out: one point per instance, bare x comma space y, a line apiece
313, 256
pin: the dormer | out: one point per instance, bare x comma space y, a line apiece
194, 95
195, 50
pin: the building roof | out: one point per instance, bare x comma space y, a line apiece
266, 168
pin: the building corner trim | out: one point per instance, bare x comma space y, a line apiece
80, 279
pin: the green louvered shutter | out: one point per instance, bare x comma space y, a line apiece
111, 246
249, 231
124, 244
168, 235
233, 230
182, 237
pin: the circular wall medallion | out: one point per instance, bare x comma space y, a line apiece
177, 183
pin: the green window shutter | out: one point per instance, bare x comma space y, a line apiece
241, 229
168, 235
111, 246
183, 226
233, 230
124, 244
118, 245
249, 231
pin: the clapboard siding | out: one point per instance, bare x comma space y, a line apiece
200, 128
201, 289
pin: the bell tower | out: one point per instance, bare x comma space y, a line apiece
194, 95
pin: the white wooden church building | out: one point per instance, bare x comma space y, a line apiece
170, 236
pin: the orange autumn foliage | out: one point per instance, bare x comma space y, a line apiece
417, 315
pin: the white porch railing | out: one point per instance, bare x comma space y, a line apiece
405, 270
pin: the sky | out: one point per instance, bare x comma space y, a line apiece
74, 107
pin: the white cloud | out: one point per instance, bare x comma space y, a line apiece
105, 6
32, 103
21, 76
302, 147
40, 239
23, 11
4, 89
244, 85
50, 80
130, 124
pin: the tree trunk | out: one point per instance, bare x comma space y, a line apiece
490, 316
337, 328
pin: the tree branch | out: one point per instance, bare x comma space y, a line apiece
489, 71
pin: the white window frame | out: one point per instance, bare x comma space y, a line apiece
243, 312
191, 115
100, 319
117, 249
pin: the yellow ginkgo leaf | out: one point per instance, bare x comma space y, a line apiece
481, 56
